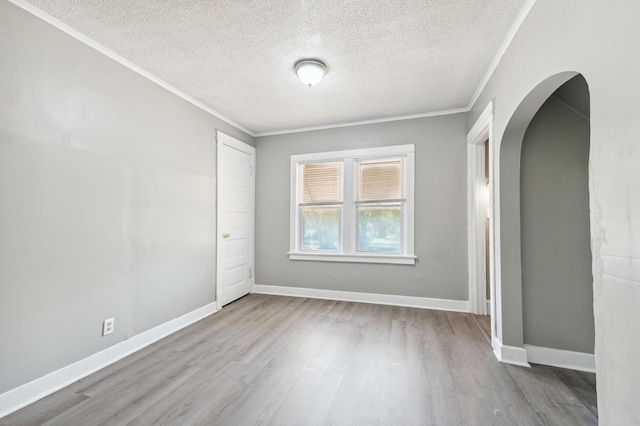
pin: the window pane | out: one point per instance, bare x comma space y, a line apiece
322, 182
381, 180
320, 228
379, 228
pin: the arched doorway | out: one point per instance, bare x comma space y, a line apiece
557, 284
546, 285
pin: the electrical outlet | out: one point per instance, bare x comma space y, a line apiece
107, 326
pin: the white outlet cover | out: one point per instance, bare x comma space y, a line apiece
107, 326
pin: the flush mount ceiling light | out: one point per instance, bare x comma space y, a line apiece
310, 71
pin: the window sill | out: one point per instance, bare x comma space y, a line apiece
355, 258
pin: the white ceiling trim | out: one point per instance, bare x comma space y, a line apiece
360, 123
137, 69
502, 50
126, 63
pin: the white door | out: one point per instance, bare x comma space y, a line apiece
236, 211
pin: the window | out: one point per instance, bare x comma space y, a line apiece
321, 206
379, 205
353, 206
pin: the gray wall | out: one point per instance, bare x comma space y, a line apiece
557, 286
107, 201
594, 38
440, 210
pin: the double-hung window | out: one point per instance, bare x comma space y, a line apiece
320, 206
353, 206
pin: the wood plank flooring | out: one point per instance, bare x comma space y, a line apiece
294, 361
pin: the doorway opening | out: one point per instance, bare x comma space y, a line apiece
543, 228
557, 282
487, 248
483, 296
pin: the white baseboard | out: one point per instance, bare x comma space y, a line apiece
380, 299
28, 393
561, 358
510, 354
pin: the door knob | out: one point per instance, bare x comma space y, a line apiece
226, 235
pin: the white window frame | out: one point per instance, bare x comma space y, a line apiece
348, 225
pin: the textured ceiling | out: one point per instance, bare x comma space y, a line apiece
385, 58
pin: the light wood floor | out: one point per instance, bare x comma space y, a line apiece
294, 361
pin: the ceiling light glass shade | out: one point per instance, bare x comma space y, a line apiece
310, 72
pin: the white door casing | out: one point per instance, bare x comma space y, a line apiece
477, 201
235, 219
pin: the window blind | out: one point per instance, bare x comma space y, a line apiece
322, 183
381, 180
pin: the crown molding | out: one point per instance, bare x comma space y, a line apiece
501, 51
124, 62
360, 123
142, 72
